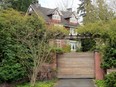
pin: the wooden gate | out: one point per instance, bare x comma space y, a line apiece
76, 65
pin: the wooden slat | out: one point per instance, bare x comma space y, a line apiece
72, 65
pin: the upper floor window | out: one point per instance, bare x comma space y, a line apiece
73, 19
56, 16
72, 31
30, 9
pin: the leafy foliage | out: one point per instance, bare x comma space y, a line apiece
87, 45
109, 57
66, 48
20, 5
100, 83
58, 50
57, 32
110, 80
14, 56
93, 11
104, 34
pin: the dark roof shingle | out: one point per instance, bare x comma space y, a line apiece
45, 12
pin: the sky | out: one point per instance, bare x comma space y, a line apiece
71, 4
58, 3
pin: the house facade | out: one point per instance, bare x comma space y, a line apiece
67, 19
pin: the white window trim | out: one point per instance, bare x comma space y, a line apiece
30, 9
56, 16
73, 19
72, 31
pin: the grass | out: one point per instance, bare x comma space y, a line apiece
100, 83
50, 83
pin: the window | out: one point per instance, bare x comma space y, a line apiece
30, 9
72, 31
73, 19
56, 16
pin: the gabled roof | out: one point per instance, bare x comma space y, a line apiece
46, 12
41, 11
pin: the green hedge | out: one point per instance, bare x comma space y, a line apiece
100, 83
88, 44
14, 55
109, 58
110, 80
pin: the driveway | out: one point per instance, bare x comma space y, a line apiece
75, 83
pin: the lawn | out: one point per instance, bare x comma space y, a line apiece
50, 83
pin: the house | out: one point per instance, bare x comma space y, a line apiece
67, 19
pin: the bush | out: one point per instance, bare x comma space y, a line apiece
100, 83
59, 50
87, 45
15, 57
110, 80
109, 58
66, 48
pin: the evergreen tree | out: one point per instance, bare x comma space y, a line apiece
86, 10
98, 11
20, 5
103, 11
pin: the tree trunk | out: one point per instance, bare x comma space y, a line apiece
33, 77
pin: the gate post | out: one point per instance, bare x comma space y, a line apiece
99, 72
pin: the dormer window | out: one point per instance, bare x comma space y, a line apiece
56, 16
73, 19
30, 9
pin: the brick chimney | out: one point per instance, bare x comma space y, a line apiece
36, 3
69, 9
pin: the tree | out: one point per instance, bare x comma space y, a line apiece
93, 12
57, 32
87, 11
64, 4
23, 46
103, 11
104, 34
39, 49
20, 5
10, 67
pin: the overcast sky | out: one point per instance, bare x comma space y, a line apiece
57, 3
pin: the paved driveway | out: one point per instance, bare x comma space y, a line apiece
75, 83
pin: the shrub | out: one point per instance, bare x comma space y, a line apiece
100, 83
66, 48
58, 50
109, 57
87, 45
110, 80
15, 57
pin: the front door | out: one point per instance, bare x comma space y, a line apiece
73, 45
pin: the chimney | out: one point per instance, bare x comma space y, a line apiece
69, 9
36, 3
